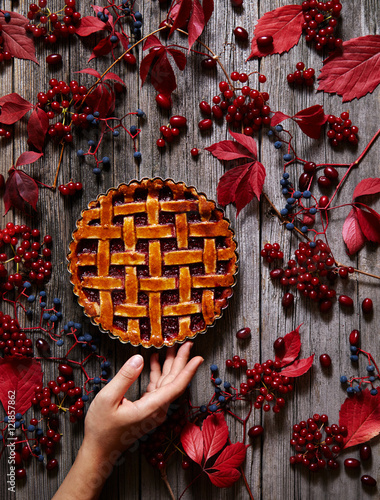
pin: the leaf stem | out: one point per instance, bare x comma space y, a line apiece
164, 477
246, 483
58, 167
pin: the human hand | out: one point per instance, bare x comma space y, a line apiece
113, 423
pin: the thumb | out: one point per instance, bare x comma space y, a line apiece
124, 378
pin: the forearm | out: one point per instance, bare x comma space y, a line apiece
87, 476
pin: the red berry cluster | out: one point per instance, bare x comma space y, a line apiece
248, 110
271, 252
320, 20
70, 189
312, 451
266, 379
302, 76
52, 25
57, 100
13, 342
157, 449
342, 130
5, 55
171, 131
19, 244
305, 272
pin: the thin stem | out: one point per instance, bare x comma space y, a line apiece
188, 486
246, 483
59, 166
164, 477
359, 271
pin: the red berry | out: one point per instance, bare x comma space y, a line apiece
205, 124
130, 59
53, 59
262, 78
365, 452
287, 300
345, 300
20, 473
244, 333
351, 463
160, 143
325, 360
164, 101
331, 173
367, 306
325, 306
65, 370
52, 464
279, 344
42, 346
177, 121
264, 41
194, 152
205, 107
240, 33
208, 63
255, 431
368, 481
323, 201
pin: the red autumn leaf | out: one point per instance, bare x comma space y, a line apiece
124, 39
352, 234
277, 118
27, 158
361, 416
353, 71
308, 219
15, 39
224, 478
102, 49
228, 150
89, 71
157, 62
18, 378
192, 442
20, 190
291, 349
89, 25
13, 108
364, 188
298, 368
190, 15
215, 434
311, 120
369, 224
284, 25
246, 141
232, 456
102, 99
38, 125
114, 77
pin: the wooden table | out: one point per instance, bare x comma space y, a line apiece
257, 301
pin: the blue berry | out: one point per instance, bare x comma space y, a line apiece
97, 380
114, 39
137, 24
357, 388
279, 128
289, 207
59, 342
104, 373
91, 143
203, 409
354, 357
372, 379
6, 419
226, 385
29, 312
39, 433
87, 337
290, 201
99, 14
284, 182
96, 170
7, 17
133, 129
284, 212
96, 114
290, 226
105, 364
285, 191
287, 157
17, 425
343, 379
307, 194
214, 368
40, 458
58, 314
56, 301
218, 381
90, 118
53, 318
297, 194
94, 121
46, 316
350, 390
140, 113
18, 416
26, 284
212, 408
37, 449
106, 160
80, 153
373, 392
137, 155
138, 16
278, 144
85, 397
353, 348
221, 399
313, 211
312, 244
31, 298
217, 390
116, 133
93, 347
370, 368
285, 175
42, 293
304, 229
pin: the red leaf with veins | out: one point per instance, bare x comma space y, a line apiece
361, 416
124, 39
13, 108
311, 120
103, 48
89, 25
114, 77
298, 368
38, 125
292, 347
224, 478
246, 141
228, 150
101, 99
27, 158
179, 57
277, 118
353, 71
364, 188
15, 39
19, 377
369, 224
215, 434
89, 71
284, 25
192, 442
191, 16
196, 22
20, 190
232, 456
352, 234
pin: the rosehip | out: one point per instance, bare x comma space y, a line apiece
367, 305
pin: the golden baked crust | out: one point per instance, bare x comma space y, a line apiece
153, 262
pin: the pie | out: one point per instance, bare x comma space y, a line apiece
153, 262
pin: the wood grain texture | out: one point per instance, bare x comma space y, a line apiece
257, 301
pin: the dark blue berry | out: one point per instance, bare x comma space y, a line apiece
284, 212
306, 194
226, 385
18, 416
84, 397
97, 380
370, 368
373, 392
290, 226
137, 155
297, 194
42, 293
278, 144
96, 170
218, 381
133, 130
80, 153
287, 157
7, 17
353, 348
42, 304
214, 368
26, 284
284, 182
138, 16
59, 342
343, 379
312, 244
91, 143
285, 175
313, 210
279, 128
203, 409
221, 399
290, 201
137, 24
212, 408
53, 318
31, 428
354, 357
56, 301
304, 229
140, 113
285, 191
90, 117
350, 390
96, 114
113, 39
31, 298
116, 133
270, 133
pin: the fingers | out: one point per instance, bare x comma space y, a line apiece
170, 355
122, 381
177, 365
155, 372
168, 393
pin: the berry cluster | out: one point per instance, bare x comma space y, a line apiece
13, 341
342, 130
320, 20
52, 25
312, 451
169, 132
313, 261
271, 252
19, 244
302, 76
70, 189
249, 110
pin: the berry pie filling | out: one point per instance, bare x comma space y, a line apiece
153, 262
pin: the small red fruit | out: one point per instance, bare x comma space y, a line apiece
325, 306
287, 300
255, 431
208, 63
241, 33
346, 301
52, 464
279, 344
66, 370
325, 360
264, 41
365, 452
177, 121
368, 480
354, 337
53, 59
243, 333
164, 101
194, 152
367, 306
205, 124
351, 463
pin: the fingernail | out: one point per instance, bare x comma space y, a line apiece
136, 361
